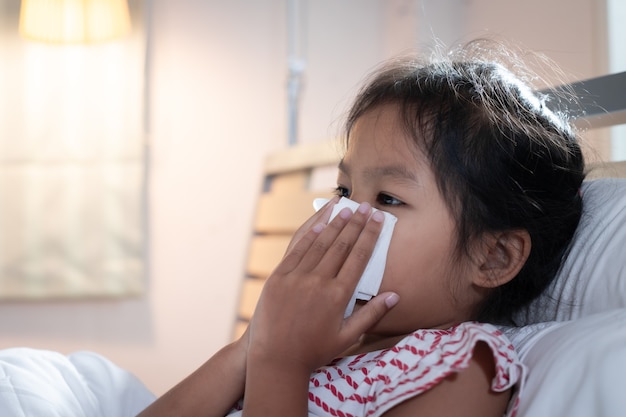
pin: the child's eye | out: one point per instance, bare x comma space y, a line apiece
388, 200
342, 191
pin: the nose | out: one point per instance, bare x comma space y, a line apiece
354, 197
360, 198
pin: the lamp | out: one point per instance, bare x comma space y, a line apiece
74, 21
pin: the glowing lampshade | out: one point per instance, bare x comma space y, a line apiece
74, 21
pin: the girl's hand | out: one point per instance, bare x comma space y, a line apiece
299, 317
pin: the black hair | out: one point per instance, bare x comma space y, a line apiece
501, 158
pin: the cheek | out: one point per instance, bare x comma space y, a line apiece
411, 256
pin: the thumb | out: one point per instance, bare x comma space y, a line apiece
371, 313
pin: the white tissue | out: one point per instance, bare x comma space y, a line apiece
370, 281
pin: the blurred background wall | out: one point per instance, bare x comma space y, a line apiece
217, 76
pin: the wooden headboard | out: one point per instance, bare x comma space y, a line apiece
292, 179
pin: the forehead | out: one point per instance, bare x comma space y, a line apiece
380, 135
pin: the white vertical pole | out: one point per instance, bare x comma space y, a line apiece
296, 65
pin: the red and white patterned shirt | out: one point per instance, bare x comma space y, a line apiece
372, 383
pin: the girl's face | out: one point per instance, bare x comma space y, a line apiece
383, 167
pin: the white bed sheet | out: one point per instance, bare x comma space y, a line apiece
37, 383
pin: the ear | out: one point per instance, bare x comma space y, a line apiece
502, 255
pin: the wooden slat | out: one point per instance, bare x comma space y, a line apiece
250, 294
303, 156
285, 213
288, 183
266, 251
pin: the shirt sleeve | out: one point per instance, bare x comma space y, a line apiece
423, 360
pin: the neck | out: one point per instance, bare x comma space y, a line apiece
373, 342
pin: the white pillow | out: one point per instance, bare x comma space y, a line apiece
576, 368
593, 276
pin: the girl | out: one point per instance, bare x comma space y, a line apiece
484, 181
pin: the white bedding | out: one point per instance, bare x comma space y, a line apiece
40, 383
574, 343
593, 277
576, 368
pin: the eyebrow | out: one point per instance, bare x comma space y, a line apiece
397, 172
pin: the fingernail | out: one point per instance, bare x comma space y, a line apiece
392, 300
378, 216
345, 213
318, 227
364, 208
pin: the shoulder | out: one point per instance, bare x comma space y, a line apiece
454, 347
468, 392
467, 362
428, 363
473, 364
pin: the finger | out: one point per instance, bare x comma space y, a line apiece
325, 242
299, 249
368, 315
352, 249
305, 236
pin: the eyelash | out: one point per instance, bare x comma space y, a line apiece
342, 192
382, 198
